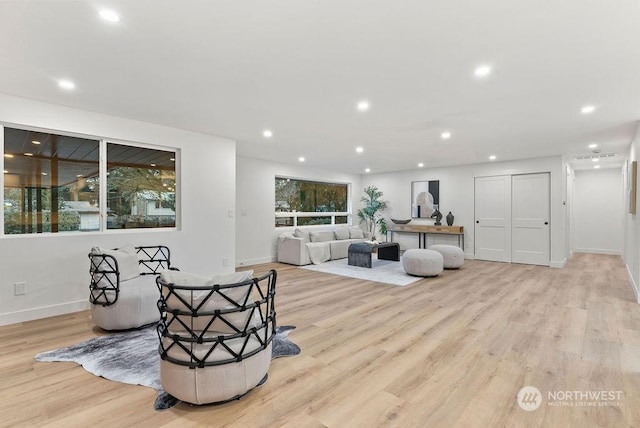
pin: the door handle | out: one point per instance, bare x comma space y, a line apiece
546, 222
477, 221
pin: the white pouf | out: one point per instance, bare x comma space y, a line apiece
420, 262
453, 255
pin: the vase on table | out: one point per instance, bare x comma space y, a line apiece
449, 219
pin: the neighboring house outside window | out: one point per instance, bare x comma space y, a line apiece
141, 187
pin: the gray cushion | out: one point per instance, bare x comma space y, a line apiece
325, 236
356, 234
342, 233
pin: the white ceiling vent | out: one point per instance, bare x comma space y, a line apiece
597, 156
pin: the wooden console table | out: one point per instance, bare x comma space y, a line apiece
423, 230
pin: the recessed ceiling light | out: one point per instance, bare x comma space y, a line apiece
79, 175
66, 84
37, 143
420, 165
359, 149
43, 173
172, 159
267, 133
363, 105
445, 135
109, 15
596, 166
152, 164
367, 170
482, 71
28, 154
8, 155
301, 159
588, 109
593, 145
595, 160
492, 157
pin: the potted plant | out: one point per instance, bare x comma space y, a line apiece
382, 227
370, 213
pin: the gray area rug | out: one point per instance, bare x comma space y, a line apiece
386, 271
132, 357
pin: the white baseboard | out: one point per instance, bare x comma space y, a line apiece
558, 265
598, 251
469, 256
259, 261
636, 291
43, 312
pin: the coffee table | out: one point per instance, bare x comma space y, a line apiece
360, 253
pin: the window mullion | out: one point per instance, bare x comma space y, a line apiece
103, 186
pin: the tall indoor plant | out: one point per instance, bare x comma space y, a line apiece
370, 213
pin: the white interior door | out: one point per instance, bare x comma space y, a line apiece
493, 218
530, 239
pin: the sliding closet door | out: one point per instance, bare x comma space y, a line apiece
493, 218
530, 238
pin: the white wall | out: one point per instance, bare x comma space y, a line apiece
457, 196
598, 209
256, 234
570, 176
55, 267
632, 224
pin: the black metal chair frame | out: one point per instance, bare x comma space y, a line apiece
154, 258
264, 287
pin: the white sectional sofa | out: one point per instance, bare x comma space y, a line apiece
303, 247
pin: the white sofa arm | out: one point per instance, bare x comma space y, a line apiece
292, 250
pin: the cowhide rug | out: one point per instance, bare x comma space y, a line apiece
132, 357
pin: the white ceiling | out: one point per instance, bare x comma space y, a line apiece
299, 67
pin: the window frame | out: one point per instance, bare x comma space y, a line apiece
103, 183
102, 197
302, 214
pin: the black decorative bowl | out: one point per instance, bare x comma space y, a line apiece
396, 221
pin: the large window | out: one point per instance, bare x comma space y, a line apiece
52, 184
305, 203
141, 187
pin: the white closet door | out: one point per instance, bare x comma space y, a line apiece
493, 218
530, 238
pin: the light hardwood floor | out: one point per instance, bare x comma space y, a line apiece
450, 351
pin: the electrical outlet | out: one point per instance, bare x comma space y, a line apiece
19, 288
225, 262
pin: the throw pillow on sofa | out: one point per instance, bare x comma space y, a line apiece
356, 234
325, 236
342, 233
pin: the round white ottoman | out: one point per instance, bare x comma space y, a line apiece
453, 255
420, 262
